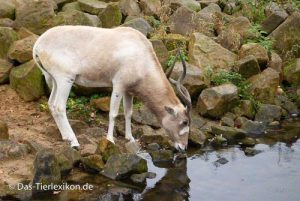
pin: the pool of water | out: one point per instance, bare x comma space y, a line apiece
273, 174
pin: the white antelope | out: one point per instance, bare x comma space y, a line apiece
121, 58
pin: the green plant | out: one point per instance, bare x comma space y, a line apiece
257, 14
259, 36
153, 22
172, 58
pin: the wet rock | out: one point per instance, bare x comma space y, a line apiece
216, 101
273, 21
130, 7
28, 81
121, 166
34, 15
161, 51
247, 66
46, 169
285, 36
106, 149
204, 52
155, 138
190, 4
150, 7
153, 147
185, 21
132, 147
218, 141
3, 131
92, 6
275, 62
220, 161
5, 68
229, 133
195, 80
7, 37
251, 151
145, 117
71, 6
6, 22
196, 138
291, 72
7, 9
251, 127
21, 50
285, 103
248, 142
198, 121
73, 17
65, 165
72, 155
257, 51
230, 40
240, 25
141, 178
111, 16
139, 24
101, 103
93, 163
161, 156
264, 85
268, 113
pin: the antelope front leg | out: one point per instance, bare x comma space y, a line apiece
115, 101
127, 103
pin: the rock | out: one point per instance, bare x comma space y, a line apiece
196, 138
88, 149
141, 178
3, 131
143, 116
231, 7
185, 21
111, 16
264, 85
6, 22
257, 51
153, 147
123, 165
24, 33
28, 81
247, 66
61, 3
275, 62
101, 103
12, 150
5, 68
72, 155
161, 156
272, 7
251, 151
7, 37
230, 40
150, 7
228, 119
218, 141
94, 20
273, 21
208, 12
106, 149
285, 103
285, 36
268, 113
93, 163
204, 52
73, 17
21, 50
220, 161
240, 25
46, 169
132, 147
139, 24
251, 127
173, 41
190, 4
161, 51
161, 140
248, 142
231, 134
34, 15
65, 165
71, 6
129, 7
7, 9
92, 6
205, 3
246, 108
34, 146
291, 72
216, 101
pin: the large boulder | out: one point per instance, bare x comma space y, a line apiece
150, 7
258, 51
122, 166
216, 101
7, 9
7, 37
268, 113
195, 80
273, 21
5, 68
21, 50
28, 81
208, 12
3, 131
92, 6
240, 25
205, 52
111, 16
230, 40
286, 36
291, 72
34, 15
264, 85
129, 7
185, 21
139, 24
247, 66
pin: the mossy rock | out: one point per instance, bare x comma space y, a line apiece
173, 41
291, 72
5, 68
72, 17
106, 149
93, 163
7, 9
7, 37
92, 6
111, 16
28, 81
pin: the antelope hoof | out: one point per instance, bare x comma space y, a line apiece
110, 139
131, 139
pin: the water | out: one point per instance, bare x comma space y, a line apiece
273, 174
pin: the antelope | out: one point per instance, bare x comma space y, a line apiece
121, 58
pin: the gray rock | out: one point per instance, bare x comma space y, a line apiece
190, 4
7, 37
74, 17
161, 140
257, 51
240, 25
285, 103
71, 6
7, 9
268, 113
208, 12
275, 62
273, 21
141, 178
65, 164
196, 138
123, 165
150, 7
220, 161
5, 68
251, 151
231, 134
248, 142
12, 150
230, 40
3, 131
92, 6
72, 155
153, 147
161, 51
106, 149
247, 66
132, 147
129, 7
161, 156
251, 127
139, 24
6, 22
111, 16
227, 121
291, 72
145, 117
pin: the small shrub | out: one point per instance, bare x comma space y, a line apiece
172, 58
260, 37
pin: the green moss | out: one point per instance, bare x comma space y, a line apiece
7, 37
111, 16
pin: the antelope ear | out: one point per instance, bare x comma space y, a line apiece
171, 111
